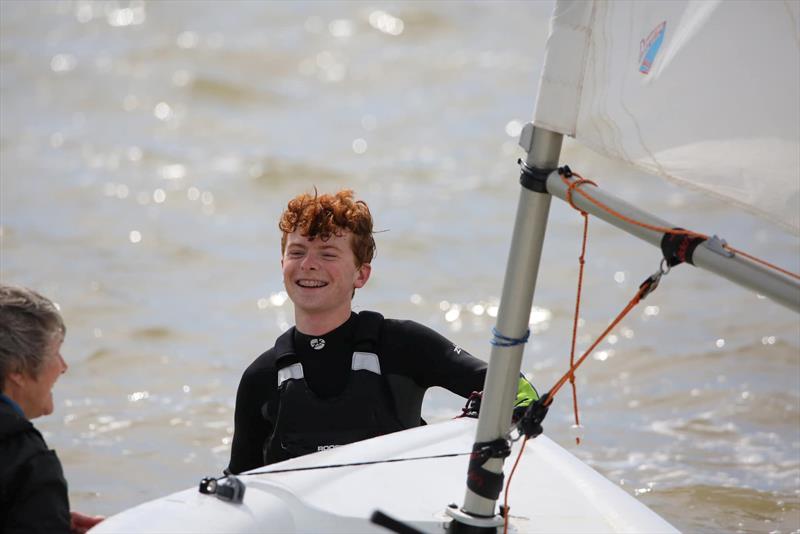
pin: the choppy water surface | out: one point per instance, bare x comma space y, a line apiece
148, 148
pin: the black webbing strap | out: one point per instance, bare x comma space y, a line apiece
678, 248
483, 482
530, 424
532, 178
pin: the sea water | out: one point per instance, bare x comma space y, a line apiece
148, 149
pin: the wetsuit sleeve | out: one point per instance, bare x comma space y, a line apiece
251, 428
40, 502
433, 360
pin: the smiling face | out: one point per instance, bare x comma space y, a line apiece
320, 277
34, 394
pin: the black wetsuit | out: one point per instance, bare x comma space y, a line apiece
412, 358
33, 491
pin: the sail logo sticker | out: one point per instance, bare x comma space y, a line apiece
649, 46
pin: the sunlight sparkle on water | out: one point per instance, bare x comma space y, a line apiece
175, 171
279, 298
163, 111
627, 333
182, 78
84, 12
359, 145
514, 128
136, 396
63, 63
132, 15
720, 343
340, 28
651, 311
134, 154
386, 23
135, 236
603, 355
453, 313
539, 316
187, 40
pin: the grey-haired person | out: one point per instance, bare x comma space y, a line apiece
33, 491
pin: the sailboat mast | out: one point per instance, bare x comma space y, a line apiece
543, 148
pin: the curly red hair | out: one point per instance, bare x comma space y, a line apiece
327, 215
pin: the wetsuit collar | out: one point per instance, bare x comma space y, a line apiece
11, 402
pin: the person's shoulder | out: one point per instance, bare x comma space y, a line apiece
264, 363
407, 327
22, 446
11, 422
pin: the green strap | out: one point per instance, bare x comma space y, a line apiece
526, 393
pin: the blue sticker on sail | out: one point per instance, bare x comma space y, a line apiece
648, 47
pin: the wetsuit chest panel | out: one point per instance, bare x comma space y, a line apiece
306, 423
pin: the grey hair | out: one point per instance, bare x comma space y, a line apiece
28, 323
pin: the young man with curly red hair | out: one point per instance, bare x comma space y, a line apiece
337, 376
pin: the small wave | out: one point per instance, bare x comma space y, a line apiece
750, 510
272, 171
229, 91
153, 332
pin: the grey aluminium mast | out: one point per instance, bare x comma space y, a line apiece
543, 147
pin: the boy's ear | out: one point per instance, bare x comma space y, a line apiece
362, 275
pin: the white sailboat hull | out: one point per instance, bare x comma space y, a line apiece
552, 491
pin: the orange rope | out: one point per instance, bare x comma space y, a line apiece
634, 301
762, 262
582, 262
663, 229
508, 485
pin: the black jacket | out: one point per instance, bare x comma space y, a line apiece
33, 491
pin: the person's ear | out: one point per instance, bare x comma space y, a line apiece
17, 379
362, 275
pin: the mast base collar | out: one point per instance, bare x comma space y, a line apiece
473, 520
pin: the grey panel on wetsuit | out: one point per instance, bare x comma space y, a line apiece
407, 399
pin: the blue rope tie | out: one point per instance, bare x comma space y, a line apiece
503, 341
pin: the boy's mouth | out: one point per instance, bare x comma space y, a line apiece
311, 283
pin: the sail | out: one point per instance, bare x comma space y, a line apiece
705, 93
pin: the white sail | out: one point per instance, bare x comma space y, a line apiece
703, 92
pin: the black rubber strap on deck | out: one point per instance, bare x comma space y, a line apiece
678, 248
532, 178
483, 482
